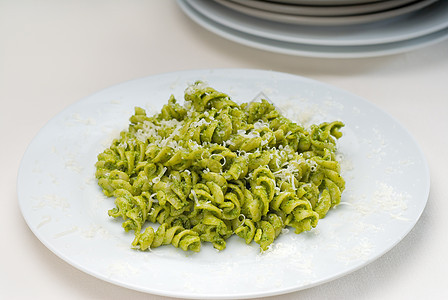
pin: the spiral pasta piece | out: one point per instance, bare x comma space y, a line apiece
178, 236
210, 168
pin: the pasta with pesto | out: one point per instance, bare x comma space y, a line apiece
211, 168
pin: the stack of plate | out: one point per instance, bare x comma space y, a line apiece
325, 28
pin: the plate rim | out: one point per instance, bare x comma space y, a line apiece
329, 20
311, 10
325, 2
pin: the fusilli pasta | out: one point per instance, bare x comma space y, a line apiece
211, 168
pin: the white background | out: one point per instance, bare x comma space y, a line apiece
53, 53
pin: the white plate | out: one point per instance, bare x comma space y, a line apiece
327, 20
309, 49
309, 10
387, 185
426, 21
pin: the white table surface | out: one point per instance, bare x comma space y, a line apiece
53, 53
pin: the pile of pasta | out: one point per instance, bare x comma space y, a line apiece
211, 168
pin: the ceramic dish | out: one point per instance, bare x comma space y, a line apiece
327, 20
327, 2
307, 10
427, 21
387, 185
313, 50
